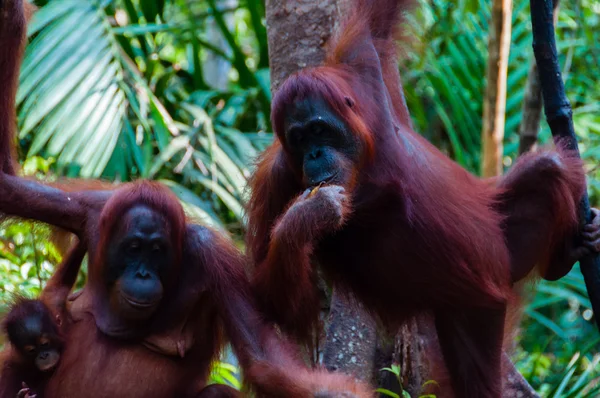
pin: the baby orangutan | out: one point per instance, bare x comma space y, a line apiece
36, 344
35, 330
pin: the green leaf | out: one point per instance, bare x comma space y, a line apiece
69, 95
387, 393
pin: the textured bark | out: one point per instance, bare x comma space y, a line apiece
415, 354
494, 104
418, 353
350, 344
297, 32
384, 357
515, 386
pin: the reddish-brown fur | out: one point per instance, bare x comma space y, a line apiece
51, 308
12, 44
134, 369
416, 232
206, 294
16, 368
207, 300
539, 198
219, 391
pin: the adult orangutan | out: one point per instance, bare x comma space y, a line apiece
159, 293
160, 296
349, 186
162, 293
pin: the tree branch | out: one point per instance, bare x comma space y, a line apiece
560, 118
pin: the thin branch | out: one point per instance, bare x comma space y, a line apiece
560, 118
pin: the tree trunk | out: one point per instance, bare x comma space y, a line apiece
514, 385
350, 343
297, 32
419, 355
416, 350
495, 94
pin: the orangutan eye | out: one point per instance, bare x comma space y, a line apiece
134, 244
29, 349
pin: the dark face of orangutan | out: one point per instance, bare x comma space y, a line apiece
320, 143
36, 338
138, 260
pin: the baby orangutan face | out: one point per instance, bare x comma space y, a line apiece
35, 335
44, 352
